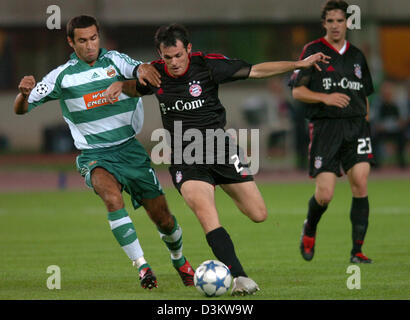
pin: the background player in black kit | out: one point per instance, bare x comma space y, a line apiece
189, 93
338, 110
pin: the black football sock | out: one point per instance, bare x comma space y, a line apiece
359, 216
223, 249
315, 212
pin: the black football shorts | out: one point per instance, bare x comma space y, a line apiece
214, 174
338, 143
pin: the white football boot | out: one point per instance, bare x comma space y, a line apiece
243, 285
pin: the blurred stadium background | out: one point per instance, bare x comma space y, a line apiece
45, 226
255, 31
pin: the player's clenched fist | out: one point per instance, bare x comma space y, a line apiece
26, 85
114, 91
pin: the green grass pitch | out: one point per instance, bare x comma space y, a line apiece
70, 229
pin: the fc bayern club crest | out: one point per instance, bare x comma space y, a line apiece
358, 71
178, 176
318, 162
195, 89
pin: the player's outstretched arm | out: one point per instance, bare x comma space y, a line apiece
306, 95
21, 103
270, 69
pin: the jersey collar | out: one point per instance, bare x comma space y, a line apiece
342, 51
102, 52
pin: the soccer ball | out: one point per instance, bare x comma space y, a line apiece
212, 278
41, 88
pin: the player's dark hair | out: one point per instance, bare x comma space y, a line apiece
82, 21
168, 35
334, 5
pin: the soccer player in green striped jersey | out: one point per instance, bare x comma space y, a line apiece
111, 160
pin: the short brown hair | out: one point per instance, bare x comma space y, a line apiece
168, 35
334, 5
82, 21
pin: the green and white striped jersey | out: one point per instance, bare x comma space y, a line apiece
94, 123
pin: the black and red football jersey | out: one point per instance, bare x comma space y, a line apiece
193, 97
347, 72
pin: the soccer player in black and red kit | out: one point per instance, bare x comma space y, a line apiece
189, 95
338, 110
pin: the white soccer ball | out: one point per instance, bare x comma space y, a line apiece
42, 88
212, 278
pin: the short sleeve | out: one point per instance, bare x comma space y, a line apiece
143, 90
46, 90
224, 69
124, 63
302, 77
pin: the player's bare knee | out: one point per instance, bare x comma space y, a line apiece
113, 201
163, 220
260, 215
359, 191
324, 195
198, 206
359, 187
324, 198
157, 209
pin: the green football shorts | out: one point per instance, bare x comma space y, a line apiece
130, 165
